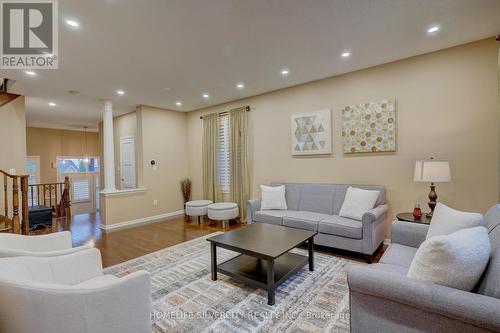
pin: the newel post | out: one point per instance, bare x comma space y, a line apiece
25, 223
67, 201
15, 205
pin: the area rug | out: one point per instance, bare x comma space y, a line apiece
185, 299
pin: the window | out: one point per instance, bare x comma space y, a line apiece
77, 164
81, 190
224, 151
33, 170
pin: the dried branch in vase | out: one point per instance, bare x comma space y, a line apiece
186, 189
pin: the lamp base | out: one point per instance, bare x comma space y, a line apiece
432, 200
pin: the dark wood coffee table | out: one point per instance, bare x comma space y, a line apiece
265, 260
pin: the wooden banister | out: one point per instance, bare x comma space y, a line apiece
15, 223
53, 195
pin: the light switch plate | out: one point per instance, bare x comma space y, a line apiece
12, 171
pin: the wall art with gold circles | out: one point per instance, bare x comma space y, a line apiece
369, 127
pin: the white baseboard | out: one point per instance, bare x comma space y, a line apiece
387, 241
143, 220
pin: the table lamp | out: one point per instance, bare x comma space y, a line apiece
432, 171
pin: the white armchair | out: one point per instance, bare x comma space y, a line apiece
70, 294
55, 244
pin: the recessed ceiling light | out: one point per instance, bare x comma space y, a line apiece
240, 85
178, 103
30, 73
285, 72
346, 54
52, 104
206, 96
72, 23
120, 92
433, 29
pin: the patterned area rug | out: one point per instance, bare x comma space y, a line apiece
185, 299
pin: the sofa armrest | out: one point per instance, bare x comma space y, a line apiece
375, 214
6, 253
466, 307
252, 207
409, 234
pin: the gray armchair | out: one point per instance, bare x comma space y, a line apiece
383, 299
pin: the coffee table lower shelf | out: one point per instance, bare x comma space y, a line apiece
254, 271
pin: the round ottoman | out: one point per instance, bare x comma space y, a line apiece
197, 208
223, 211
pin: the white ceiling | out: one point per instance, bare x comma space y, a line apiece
163, 51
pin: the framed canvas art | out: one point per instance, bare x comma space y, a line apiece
311, 133
369, 127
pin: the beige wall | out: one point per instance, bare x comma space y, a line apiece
161, 135
446, 108
13, 136
12, 140
50, 143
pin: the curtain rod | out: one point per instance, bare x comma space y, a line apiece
226, 112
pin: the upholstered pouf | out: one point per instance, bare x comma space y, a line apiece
197, 208
223, 211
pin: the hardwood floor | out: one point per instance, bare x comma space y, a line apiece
122, 245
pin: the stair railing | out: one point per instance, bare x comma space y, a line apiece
15, 203
53, 195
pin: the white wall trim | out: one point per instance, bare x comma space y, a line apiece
143, 220
117, 193
387, 241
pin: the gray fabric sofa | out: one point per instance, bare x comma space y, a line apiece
316, 207
383, 299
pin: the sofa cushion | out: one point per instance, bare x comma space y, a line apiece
292, 194
317, 198
273, 197
270, 216
456, 260
399, 255
303, 219
341, 226
341, 190
357, 202
446, 220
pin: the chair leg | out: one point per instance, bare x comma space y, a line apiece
199, 219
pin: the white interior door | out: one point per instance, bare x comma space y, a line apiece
127, 163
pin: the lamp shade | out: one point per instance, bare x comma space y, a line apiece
432, 171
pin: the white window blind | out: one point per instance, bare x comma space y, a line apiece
224, 161
32, 169
81, 190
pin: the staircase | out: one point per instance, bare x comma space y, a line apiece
6, 97
15, 202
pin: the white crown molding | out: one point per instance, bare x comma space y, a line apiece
143, 220
60, 127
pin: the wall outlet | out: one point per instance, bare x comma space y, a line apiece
155, 202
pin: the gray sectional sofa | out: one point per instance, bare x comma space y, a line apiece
383, 299
316, 207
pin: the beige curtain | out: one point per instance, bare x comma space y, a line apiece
238, 143
211, 189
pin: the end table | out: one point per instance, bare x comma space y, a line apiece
408, 217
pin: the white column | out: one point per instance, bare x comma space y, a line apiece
109, 148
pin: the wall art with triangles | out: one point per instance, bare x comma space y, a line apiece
311, 133
369, 127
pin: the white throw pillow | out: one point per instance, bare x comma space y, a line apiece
446, 220
456, 260
272, 197
357, 202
